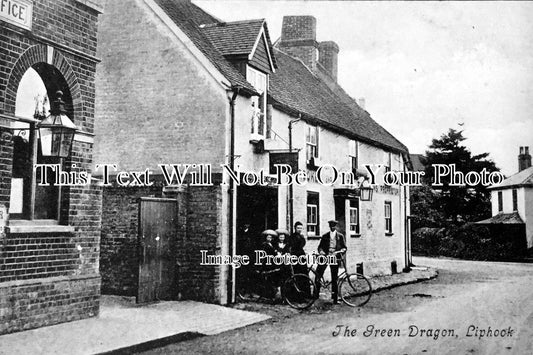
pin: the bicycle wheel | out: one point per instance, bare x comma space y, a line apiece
355, 290
298, 291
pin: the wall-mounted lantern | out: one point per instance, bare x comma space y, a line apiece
366, 193
57, 131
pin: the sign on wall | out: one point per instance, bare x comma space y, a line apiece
17, 12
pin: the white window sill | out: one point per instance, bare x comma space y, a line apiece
37, 226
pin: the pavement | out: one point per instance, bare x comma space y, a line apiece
123, 327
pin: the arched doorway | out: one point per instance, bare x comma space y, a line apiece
29, 198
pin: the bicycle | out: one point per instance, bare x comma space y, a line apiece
354, 289
297, 290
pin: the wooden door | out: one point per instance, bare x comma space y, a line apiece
157, 237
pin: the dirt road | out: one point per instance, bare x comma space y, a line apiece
471, 308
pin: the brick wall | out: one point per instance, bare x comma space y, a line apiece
155, 102
6, 152
45, 277
201, 211
47, 301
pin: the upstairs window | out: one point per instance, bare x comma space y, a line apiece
353, 156
515, 200
388, 217
311, 142
500, 201
259, 81
388, 161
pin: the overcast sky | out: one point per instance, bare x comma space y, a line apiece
424, 67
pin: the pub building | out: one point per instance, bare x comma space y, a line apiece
49, 235
178, 86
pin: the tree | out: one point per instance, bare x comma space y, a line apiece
455, 204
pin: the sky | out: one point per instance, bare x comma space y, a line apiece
425, 67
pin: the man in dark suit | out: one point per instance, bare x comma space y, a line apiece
331, 242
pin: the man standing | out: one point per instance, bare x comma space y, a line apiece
330, 243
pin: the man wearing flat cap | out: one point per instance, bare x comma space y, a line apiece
331, 242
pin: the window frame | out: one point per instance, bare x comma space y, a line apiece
500, 201
357, 231
388, 162
353, 155
313, 202
515, 200
259, 81
388, 219
311, 146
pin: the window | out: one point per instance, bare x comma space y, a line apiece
311, 142
515, 200
312, 214
388, 217
500, 201
353, 150
388, 161
259, 81
353, 215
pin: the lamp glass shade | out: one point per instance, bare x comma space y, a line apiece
366, 193
56, 134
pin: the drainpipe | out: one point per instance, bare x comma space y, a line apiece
232, 196
407, 228
291, 191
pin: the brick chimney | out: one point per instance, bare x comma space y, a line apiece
298, 39
328, 52
524, 159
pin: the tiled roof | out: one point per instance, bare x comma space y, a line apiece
295, 88
232, 38
188, 17
520, 179
236, 38
503, 218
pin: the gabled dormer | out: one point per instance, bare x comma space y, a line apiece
247, 45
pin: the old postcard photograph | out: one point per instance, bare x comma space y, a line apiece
277, 177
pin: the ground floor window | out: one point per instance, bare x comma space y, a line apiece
353, 215
312, 214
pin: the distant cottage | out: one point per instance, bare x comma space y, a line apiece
177, 85
512, 200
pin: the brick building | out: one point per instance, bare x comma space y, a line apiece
49, 235
177, 85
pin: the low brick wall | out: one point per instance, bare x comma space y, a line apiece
40, 302
37, 255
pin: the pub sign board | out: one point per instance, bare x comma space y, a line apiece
17, 12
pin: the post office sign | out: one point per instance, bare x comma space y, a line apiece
17, 12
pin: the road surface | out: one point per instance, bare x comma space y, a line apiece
471, 308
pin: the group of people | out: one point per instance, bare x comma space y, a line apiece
280, 242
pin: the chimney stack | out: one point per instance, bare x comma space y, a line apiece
524, 159
328, 52
298, 39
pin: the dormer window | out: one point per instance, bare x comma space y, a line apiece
259, 81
